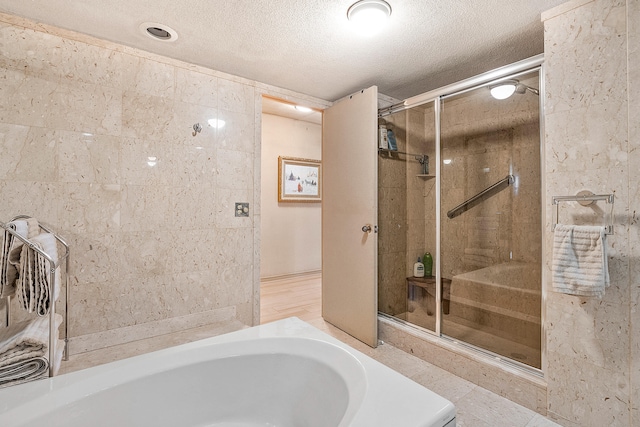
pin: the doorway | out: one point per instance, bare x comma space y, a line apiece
290, 262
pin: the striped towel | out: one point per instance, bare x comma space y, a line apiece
33, 286
10, 252
24, 350
580, 264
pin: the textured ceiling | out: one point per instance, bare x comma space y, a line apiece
307, 45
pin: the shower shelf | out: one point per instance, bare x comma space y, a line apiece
421, 158
384, 150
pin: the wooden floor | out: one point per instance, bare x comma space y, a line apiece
298, 296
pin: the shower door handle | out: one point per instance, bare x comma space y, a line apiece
366, 229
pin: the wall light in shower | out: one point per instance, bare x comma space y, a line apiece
368, 16
504, 89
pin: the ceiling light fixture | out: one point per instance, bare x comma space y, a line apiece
368, 16
302, 109
159, 32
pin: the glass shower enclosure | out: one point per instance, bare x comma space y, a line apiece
465, 185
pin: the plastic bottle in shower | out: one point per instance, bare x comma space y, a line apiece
418, 269
383, 137
427, 260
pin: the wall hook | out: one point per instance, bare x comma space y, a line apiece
197, 128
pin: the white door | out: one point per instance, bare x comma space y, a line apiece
349, 215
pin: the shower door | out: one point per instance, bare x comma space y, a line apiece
490, 226
476, 210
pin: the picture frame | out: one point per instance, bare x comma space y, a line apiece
299, 180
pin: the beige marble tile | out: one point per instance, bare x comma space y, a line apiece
196, 88
235, 169
148, 77
144, 208
25, 100
87, 359
181, 127
238, 131
575, 384
145, 162
444, 383
145, 116
193, 165
90, 207
485, 408
84, 107
32, 157
233, 96
192, 207
633, 16
190, 250
87, 157
591, 68
12, 141
95, 257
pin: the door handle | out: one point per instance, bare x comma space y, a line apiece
366, 229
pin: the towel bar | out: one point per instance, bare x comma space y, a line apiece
52, 308
585, 198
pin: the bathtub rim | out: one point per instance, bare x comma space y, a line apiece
385, 388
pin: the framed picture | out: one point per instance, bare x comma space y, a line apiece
299, 180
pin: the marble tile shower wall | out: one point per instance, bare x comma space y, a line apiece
421, 192
98, 143
485, 140
392, 222
592, 140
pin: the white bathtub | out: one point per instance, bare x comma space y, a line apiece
283, 374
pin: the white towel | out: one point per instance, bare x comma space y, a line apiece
10, 253
24, 350
34, 279
580, 265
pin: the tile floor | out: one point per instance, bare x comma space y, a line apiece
476, 407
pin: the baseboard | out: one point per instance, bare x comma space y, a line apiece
304, 274
90, 342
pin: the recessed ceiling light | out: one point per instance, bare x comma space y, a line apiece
159, 32
368, 16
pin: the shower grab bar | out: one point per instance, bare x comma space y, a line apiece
488, 192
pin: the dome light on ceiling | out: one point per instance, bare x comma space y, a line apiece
368, 16
159, 32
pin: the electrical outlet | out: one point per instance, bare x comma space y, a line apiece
242, 209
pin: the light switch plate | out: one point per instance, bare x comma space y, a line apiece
242, 209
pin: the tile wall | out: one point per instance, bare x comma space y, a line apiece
392, 221
97, 141
592, 140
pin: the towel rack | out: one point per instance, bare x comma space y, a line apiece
52, 284
585, 198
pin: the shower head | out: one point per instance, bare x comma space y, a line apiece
522, 88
